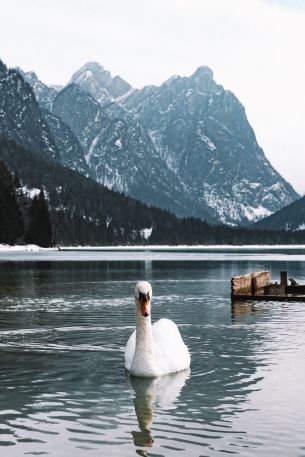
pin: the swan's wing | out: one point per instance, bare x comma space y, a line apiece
129, 350
170, 351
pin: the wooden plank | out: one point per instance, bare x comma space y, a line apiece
241, 284
284, 278
262, 279
275, 289
250, 283
300, 289
253, 285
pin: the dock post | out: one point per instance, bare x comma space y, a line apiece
284, 278
253, 285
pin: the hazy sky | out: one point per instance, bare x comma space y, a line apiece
256, 48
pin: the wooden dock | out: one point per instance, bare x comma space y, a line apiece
258, 287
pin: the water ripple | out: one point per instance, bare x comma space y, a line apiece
64, 390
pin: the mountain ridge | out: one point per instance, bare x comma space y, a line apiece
20, 115
192, 131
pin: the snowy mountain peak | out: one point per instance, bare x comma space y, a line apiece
203, 79
93, 78
95, 67
203, 72
91, 70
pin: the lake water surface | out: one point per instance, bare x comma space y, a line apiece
65, 318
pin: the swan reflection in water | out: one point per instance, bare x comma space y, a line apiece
163, 391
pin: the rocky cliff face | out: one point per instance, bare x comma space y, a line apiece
43, 93
71, 154
202, 133
120, 153
20, 115
32, 125
93, 78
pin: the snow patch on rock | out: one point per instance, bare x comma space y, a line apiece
30, 192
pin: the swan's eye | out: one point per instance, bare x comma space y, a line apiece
143, 296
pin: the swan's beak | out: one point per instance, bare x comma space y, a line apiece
145, 308
144, 300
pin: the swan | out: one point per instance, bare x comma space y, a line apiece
154, 350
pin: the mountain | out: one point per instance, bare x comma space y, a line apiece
20, 115
202, 133
291, 217
93, 78
71, 154
110, 142
43, 93
32, 125
120, 154
185, 146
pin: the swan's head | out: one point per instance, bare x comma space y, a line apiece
143, 295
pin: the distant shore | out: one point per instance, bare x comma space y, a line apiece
35, 248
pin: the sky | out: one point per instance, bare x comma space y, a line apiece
255, 48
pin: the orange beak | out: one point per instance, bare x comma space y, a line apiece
145, 308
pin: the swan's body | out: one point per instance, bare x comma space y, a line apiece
154, 350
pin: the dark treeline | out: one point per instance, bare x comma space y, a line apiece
39, 229
11, 219
83, 212
22, 220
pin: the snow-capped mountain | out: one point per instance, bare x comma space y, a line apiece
202, 133
120, 154
185, 146
93, 78
20, 115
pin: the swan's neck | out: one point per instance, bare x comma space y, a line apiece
143, 363
144, 339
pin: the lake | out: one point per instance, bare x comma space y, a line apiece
65, 318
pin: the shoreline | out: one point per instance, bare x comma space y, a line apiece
35, 248
182, 247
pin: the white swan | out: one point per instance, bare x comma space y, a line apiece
154, 350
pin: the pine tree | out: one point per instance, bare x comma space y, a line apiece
39, 230
11, 220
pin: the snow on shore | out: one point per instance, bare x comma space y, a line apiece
182, 247
24, 248
221, 247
